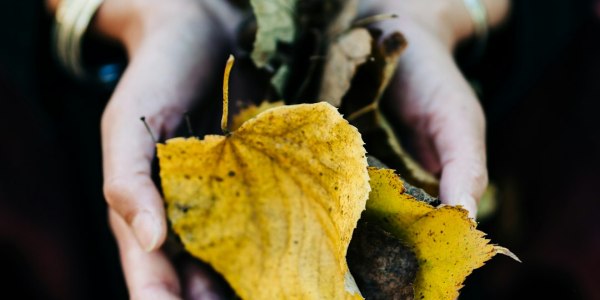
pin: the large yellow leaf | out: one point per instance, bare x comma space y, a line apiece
272, 205
445, 240
252, 111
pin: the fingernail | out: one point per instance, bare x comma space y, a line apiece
147, 230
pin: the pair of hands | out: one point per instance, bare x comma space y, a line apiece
172, 47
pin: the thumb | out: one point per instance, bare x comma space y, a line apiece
128, 187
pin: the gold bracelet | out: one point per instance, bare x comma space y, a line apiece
479, 17
71, 22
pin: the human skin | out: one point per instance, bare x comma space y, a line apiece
432, 97
169, 64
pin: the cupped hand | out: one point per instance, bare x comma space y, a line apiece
433, 98
438, 105
172, 47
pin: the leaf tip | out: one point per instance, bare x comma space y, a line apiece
350, 284
505, 251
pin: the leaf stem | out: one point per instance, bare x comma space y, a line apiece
225, 116
373, 19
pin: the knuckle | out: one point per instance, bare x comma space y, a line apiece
115, 190
121, 193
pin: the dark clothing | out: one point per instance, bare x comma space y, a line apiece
541, 90
544, 156
54, 238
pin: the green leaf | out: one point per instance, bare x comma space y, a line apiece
276, 24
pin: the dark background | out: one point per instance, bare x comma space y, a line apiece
540, 86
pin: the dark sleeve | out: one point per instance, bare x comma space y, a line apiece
54, 237
529, 43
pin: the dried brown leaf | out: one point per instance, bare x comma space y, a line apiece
348, 52
361, 104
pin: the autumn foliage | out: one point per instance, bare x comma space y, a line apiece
273, 203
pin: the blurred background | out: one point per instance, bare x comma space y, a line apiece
539, 82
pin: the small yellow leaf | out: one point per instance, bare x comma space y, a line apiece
449, 248
388, 197
445, 240
271, 206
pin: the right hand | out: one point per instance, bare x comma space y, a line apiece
172, 47
431, 96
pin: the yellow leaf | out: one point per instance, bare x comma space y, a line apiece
388, 197
445, 240
272, 205
251, 112
448, 248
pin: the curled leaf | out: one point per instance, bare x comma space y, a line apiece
445, 240
272, 205
347, 52
362, 106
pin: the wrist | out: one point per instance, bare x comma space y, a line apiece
132, 22
448, 20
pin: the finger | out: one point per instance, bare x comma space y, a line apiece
442, 108
426, 153
148, 275
128, 188
458, 132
